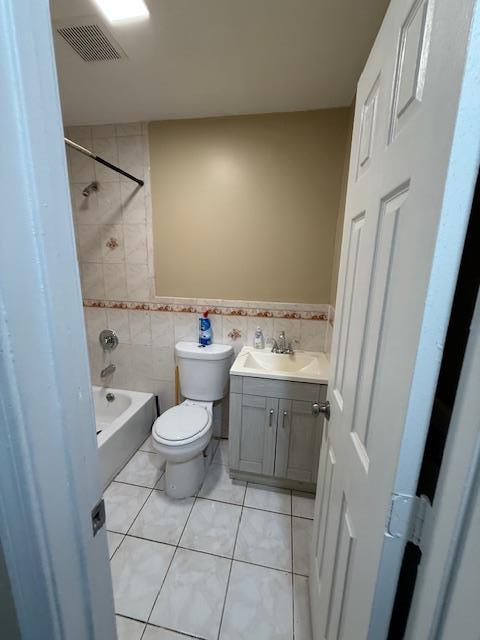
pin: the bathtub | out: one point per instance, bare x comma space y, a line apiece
122, 426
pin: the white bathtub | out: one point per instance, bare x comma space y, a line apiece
123, 425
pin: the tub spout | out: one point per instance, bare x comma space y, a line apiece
107, 371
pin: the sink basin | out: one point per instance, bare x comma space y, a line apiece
302, 366
281, 362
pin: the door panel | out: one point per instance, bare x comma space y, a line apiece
405, 118
345, 319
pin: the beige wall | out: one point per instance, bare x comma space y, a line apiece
246, 207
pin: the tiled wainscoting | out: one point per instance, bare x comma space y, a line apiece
229, 564
114, 235
145, 355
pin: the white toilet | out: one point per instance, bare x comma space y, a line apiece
182, 433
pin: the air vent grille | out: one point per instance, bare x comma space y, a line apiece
90, 42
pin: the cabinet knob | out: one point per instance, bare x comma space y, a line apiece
321, 407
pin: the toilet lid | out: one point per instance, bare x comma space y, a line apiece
181, 422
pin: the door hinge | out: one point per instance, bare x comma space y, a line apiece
408, 518
98, 516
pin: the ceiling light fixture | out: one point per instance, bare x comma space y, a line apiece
122, 10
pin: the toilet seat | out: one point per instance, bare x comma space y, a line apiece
182, 424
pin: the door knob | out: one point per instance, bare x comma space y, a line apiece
321, 407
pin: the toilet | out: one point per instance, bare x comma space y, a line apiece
182, 433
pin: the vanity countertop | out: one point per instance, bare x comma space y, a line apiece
302, 366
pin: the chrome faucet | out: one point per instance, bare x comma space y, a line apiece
282, 346
108, 370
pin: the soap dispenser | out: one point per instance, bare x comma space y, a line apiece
259, 340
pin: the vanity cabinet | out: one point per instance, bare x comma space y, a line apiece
273, 431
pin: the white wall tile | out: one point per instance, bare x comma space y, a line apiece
138, 283
85, 209
165, 390
128, 129
79, 134
95, 321
131, 156
140, 327
186, 326
328, 340
95, 357
217, 327
109, 233
80, 167
103, 131
142, 361
109, 203
107, 149
133, 203
230, 324
124, 375
163, 364
265, 324
117, 320
91, 275
162, 328
115, 281
135, 243
89, 243
291, 328
312, 336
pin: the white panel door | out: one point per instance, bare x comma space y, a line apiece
402, 159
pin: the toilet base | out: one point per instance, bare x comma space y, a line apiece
184, 479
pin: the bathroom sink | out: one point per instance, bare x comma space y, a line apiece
281, 362
302, 366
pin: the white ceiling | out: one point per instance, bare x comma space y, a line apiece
197, 58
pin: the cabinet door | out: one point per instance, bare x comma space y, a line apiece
298, 441
283, 437
253, 433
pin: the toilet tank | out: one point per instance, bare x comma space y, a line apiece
203, 370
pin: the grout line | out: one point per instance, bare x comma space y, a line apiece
163, 582
179, 633
142, 486
293, 579
138, 513
210, 553
231, 563
118, 546
173, 556
275, 513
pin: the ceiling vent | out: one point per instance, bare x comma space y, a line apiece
90, 39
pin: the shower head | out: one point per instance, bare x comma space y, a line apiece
93, 186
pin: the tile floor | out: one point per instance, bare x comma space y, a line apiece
229, 564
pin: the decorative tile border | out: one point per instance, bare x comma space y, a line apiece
305, 313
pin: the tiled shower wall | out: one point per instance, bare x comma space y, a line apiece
113, 229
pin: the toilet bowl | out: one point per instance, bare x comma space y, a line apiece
181, 434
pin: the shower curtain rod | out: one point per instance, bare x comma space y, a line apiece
111, 166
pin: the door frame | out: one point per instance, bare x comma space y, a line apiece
441, 583
58, 570
456, 207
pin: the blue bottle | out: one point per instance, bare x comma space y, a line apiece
205, 335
